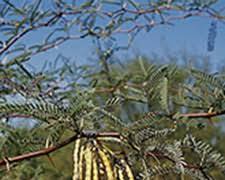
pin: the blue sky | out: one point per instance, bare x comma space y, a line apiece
189, 36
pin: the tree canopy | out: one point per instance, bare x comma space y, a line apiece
135, 119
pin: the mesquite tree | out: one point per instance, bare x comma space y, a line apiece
133, 122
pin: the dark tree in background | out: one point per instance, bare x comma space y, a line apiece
128, 120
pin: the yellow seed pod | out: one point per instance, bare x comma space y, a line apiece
120, 174
76, 159
115, 172
88, 162
81, 159
101, 169
107, 164
95, 169
128, 170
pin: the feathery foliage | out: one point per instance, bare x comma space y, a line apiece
137, 119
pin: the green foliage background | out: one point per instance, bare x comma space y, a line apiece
60, 165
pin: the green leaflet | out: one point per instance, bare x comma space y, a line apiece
160, 170
146, 121
150, 133
207, 78
164, 94
39, 110
113, 101
209, 157
117, 121
156, 73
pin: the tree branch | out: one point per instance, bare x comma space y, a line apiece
41, 152
46, 151
25, 31
203, 114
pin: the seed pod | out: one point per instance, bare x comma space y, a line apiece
81, 159
88, 162
128, 170
101, 169
106, 162
76, 159
120, 174
95, 169
115, 169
